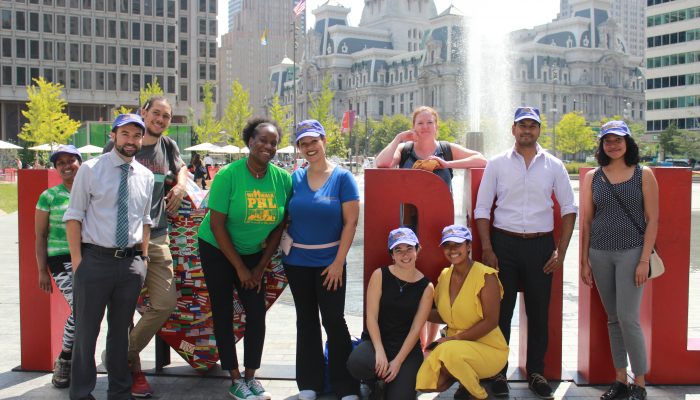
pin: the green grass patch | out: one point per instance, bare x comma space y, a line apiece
572, 168
8, 197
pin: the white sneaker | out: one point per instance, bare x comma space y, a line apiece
350, 397
307, 395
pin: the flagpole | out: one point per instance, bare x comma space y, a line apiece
300, 7
294, 73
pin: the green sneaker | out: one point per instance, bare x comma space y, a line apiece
239, 390
258, 389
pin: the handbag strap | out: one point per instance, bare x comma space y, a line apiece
619, 200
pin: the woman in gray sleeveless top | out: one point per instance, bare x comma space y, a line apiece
615, 255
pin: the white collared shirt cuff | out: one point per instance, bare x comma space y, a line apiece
569, 210
72, 214
482, 214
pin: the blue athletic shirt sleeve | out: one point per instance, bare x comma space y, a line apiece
316, 217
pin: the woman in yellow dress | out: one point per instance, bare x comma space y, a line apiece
467, 298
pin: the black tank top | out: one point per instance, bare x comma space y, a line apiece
397, 308
611, 228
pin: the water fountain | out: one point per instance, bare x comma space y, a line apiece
487, 82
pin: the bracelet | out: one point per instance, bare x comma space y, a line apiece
646, 261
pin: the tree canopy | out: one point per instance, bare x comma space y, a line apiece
46, 121
279, 114
236, 114
573, 135
207, 127
321, 109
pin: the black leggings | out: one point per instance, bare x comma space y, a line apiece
221, 278
361, 365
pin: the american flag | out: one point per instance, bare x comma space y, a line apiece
299, 8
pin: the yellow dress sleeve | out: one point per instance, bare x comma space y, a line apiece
480, 278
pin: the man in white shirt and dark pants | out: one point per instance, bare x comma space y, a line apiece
520, 244
108, 226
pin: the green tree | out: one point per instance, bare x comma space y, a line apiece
279, 114
666, 142
573, 135
687, 143
451, 129
207, 127
121, 110
236, 114
386, 129
545, 139
151, 89
322, 111
46, 121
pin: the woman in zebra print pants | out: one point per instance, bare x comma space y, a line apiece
52, 253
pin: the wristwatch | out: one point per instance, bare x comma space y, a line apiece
146, 258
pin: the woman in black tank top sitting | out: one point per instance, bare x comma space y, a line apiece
620, 209
399, 298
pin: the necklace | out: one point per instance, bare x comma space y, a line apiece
255, 173
401, 285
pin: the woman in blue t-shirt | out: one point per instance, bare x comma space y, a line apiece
323, 213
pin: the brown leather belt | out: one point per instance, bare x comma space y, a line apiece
522, 235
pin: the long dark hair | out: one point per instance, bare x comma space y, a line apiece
196, 160
631, 154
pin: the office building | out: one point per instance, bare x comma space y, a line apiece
261, 34
104, 52
673, 65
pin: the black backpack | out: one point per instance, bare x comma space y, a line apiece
445, 149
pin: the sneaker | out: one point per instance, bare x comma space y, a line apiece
539, 386
61, 373
463, 394
637, 392
499, 386
617, 390
378, 390
139, 385
239, 390
258, 389
350, 397
307, 395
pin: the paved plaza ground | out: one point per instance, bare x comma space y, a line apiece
179, 381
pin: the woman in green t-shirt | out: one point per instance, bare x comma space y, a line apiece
237, 239
52, 254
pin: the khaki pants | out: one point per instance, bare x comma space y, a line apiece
162, 294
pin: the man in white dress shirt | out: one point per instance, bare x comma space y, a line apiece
520, 242
108, 225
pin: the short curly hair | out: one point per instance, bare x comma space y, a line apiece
251, 127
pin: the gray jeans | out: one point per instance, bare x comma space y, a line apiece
103, 282
613, 272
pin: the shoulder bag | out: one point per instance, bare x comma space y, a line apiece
656, 264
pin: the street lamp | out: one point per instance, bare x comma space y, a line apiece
555, 77
554, 131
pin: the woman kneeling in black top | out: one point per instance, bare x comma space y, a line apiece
399, 298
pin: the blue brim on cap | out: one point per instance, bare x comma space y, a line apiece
455, 239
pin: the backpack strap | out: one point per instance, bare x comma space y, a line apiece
446, 150
406, 152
